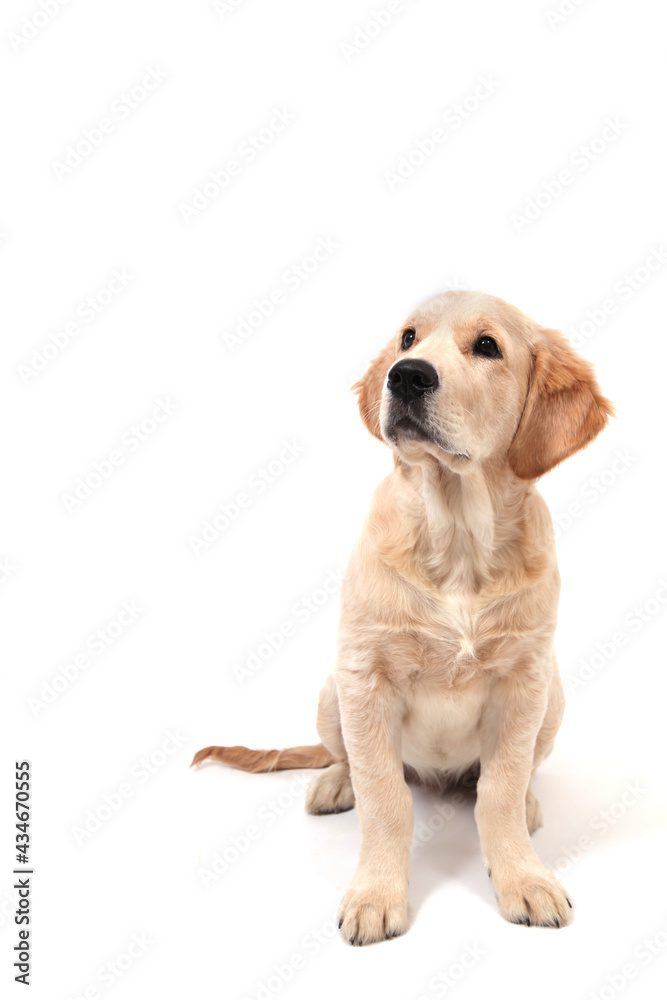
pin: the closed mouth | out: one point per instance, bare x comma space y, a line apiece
412, 429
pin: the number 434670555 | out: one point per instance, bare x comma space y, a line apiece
22, 809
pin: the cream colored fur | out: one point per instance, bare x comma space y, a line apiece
445, 660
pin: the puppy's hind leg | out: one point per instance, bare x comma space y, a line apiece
533, 812
544, 746
331, 791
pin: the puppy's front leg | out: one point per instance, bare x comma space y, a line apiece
526, 890
375, 906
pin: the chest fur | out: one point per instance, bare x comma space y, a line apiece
460, 636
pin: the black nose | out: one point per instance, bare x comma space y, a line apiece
410, 379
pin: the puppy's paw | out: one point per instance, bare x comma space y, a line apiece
534, 898
331, 791
368, 915
533, 813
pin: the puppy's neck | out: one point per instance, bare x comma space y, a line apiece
472, 522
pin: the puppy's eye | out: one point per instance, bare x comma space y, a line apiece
487, 347
408, 339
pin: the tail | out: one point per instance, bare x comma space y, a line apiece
268, 760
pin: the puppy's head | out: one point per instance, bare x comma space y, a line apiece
468, 378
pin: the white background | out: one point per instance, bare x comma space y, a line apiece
355, 112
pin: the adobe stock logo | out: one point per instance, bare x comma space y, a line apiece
237, 846
593, 490
212, 529
7, 569
108, 974
131, 440
369, 30
301, 612
141, 772
247, 152
120, 110
86, 312
644, 954
581, 158
291, 281
634, 621
98, 641
447, 979
222, 7
32, 24
283, 972
600, 825
453, 118
558, 15
625, 288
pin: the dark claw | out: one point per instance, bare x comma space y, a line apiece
556, 923
569, 903
340, 923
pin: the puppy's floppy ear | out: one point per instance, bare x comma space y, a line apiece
369, 390
564, 408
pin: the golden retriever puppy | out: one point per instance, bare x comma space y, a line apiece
445, 663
